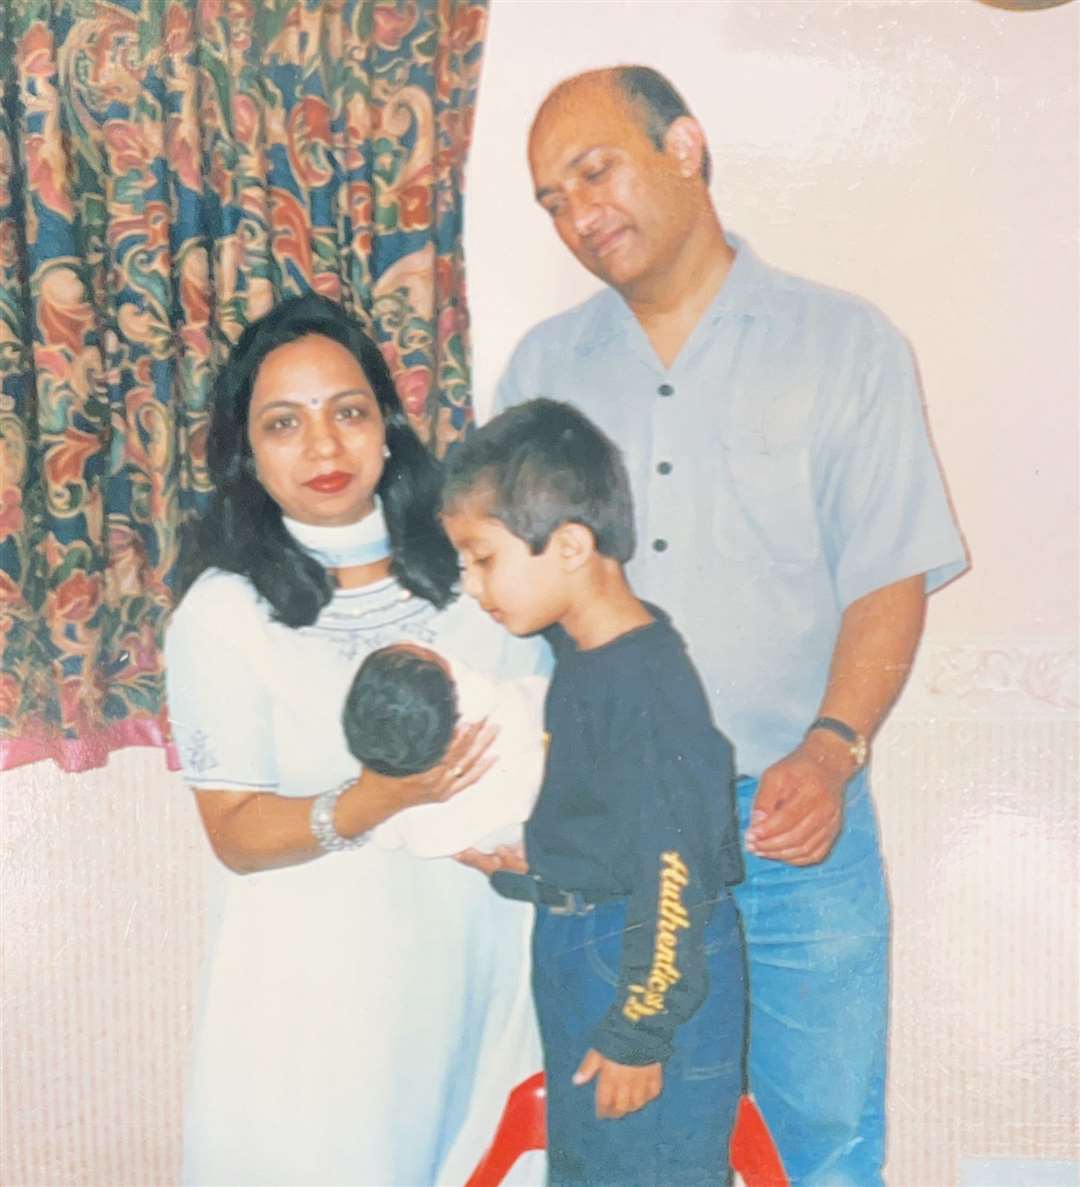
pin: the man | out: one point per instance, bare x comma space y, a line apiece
791, 518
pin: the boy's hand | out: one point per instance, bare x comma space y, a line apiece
505, 857
620, 1088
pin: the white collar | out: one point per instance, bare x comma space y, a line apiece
347, 545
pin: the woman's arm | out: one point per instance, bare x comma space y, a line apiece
260, 830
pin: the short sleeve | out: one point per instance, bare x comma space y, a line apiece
218, 706
884, 509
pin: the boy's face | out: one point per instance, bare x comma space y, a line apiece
523, 592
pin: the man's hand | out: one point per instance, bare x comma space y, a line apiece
620, 1088
799, 806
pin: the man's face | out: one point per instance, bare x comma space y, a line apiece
620, 205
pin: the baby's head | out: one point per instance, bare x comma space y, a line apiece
529, 501
401, 710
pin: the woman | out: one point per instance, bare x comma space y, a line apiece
364, 1012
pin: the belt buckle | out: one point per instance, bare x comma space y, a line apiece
568, 906
572, 903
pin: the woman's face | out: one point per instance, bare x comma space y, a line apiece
316, 432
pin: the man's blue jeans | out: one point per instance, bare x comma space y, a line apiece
682, 1136
817, 943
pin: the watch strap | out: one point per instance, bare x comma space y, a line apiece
836, 726
854, 739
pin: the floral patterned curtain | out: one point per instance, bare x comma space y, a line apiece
168, 169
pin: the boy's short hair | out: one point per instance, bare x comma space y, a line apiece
539, 465
400, 712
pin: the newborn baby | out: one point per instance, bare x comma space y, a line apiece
400, 715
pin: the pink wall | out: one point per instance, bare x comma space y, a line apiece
925, 155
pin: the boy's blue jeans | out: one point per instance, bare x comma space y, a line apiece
682, 1136
817, 945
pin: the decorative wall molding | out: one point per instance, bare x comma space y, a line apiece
998, 679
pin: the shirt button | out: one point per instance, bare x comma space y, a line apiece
659, 545
663, 468
665, 389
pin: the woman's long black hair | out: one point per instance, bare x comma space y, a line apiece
242, 531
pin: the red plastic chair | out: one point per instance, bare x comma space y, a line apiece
522, 1127
752, 1152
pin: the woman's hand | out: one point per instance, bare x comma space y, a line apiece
467, 759
252, 831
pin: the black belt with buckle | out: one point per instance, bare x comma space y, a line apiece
528, 888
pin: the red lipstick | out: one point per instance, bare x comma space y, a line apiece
329, 484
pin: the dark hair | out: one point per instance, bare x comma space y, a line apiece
658, 105
242, 531
542, 464
400, 712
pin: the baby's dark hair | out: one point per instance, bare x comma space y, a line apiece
400, 712
542, 464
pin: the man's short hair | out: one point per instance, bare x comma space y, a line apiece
542, 464
658, 105
400, 712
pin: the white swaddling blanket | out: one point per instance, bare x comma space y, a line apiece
491, 811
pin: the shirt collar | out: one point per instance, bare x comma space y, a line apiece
746, 290
748, 287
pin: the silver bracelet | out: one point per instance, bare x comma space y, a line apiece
322, 823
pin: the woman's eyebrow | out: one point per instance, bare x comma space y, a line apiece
297, 401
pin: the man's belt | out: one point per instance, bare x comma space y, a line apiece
528, 888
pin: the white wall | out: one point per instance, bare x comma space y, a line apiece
923, 154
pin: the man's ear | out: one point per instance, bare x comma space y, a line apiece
684, 142
575, 544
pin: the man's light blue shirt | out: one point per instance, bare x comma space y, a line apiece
781, 469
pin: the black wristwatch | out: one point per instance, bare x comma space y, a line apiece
857, 744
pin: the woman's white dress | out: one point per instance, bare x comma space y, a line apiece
364, 1015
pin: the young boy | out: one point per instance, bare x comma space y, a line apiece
399, 717
637, 951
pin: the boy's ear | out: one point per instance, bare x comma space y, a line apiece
576, 545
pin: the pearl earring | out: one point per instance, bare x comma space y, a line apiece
385, 450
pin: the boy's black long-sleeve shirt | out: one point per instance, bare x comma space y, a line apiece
638, 800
